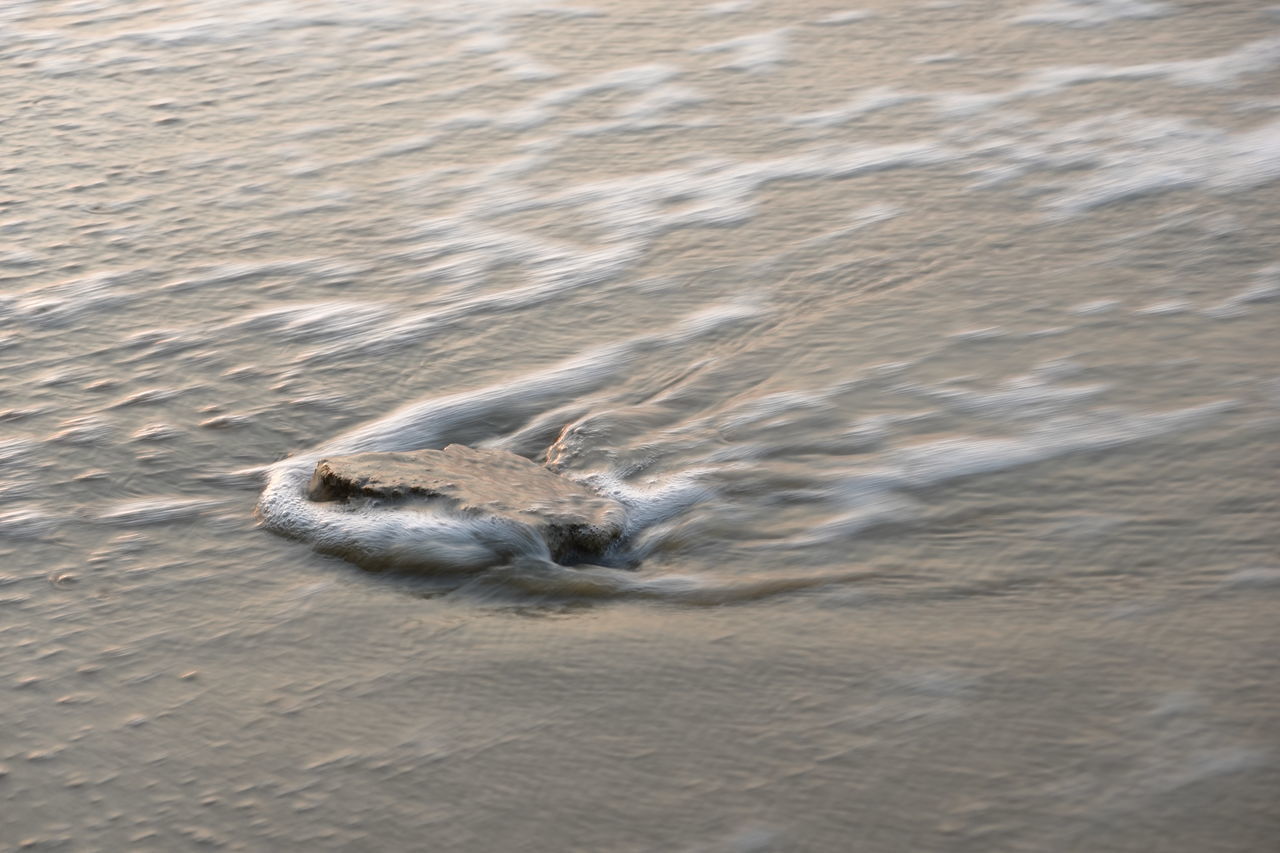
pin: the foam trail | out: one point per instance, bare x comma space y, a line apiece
413, 537
454, 418
532, 577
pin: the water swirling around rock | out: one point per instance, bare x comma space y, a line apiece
928, 348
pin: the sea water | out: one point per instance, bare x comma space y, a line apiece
930, 348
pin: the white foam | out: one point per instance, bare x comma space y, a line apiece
63, 302
28, 523
754, 53
473, 249
861, 510
20, 258
939, 58
714, 190
317, 320
145, 397
1258, 577
547, 107
407, 145
850, 16
1083, 165
1266, 289
1024, 397
84, 430
1036, 421
1254, 57
533, 577
881, 495
235, 273
629, 212
935, 462
860, 105
660, 100
1095, 307
1222, 71
657, 500
156, 510
1092, 13
1164, 308
727, 7
157, 431
1134, 158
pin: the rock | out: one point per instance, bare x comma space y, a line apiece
574, 521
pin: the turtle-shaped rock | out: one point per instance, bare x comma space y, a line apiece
575, 522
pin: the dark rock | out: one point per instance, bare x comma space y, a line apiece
574, 521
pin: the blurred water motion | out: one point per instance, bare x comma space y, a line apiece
929, 347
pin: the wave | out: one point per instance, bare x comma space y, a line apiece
432, 539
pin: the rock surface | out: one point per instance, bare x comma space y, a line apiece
574, 521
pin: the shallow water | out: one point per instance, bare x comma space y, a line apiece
931, 348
